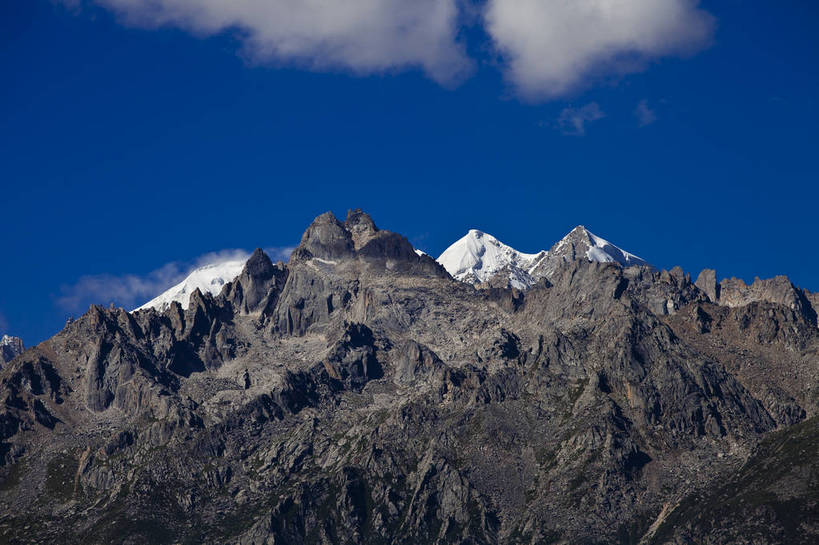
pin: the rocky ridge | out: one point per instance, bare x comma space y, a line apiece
360, 394
478, 258
10, 348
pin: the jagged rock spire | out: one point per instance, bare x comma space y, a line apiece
257, 286
325, 238
10, 348
361, 227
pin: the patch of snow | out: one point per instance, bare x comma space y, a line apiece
604, 251
478, 256
208, 279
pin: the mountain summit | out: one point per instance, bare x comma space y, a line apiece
580, 243
479, 257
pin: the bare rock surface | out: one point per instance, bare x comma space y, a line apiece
10, 348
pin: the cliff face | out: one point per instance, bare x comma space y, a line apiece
360, 394
10, 348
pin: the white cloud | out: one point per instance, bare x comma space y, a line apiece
573, 120
548, 48
552, 47
644, 114
364, 36
130, 290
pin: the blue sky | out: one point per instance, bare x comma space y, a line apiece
133, 143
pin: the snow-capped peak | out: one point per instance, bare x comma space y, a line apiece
603, 251
580, 243
478, 256
208, 279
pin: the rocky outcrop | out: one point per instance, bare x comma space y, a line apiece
707, 282
322, 270
734, 293
765, 346
309, 298
663, 292
258, 287
325, 239
352, 359
414, 361
10, 348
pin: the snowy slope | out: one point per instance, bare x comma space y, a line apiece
209, 279
478, 256
604, 251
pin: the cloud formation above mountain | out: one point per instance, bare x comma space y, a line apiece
547, 48
553, 47
129, 290
363, 36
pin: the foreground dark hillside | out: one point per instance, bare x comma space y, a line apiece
358, 394
772, 498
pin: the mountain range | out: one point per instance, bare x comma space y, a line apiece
476, 258
364, 392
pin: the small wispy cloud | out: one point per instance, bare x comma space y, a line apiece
131, 290
573, 121
645, 114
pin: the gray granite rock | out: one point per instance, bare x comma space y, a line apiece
10, 348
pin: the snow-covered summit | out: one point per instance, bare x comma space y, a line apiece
478, 256
208, 279
582, 243
598, 249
